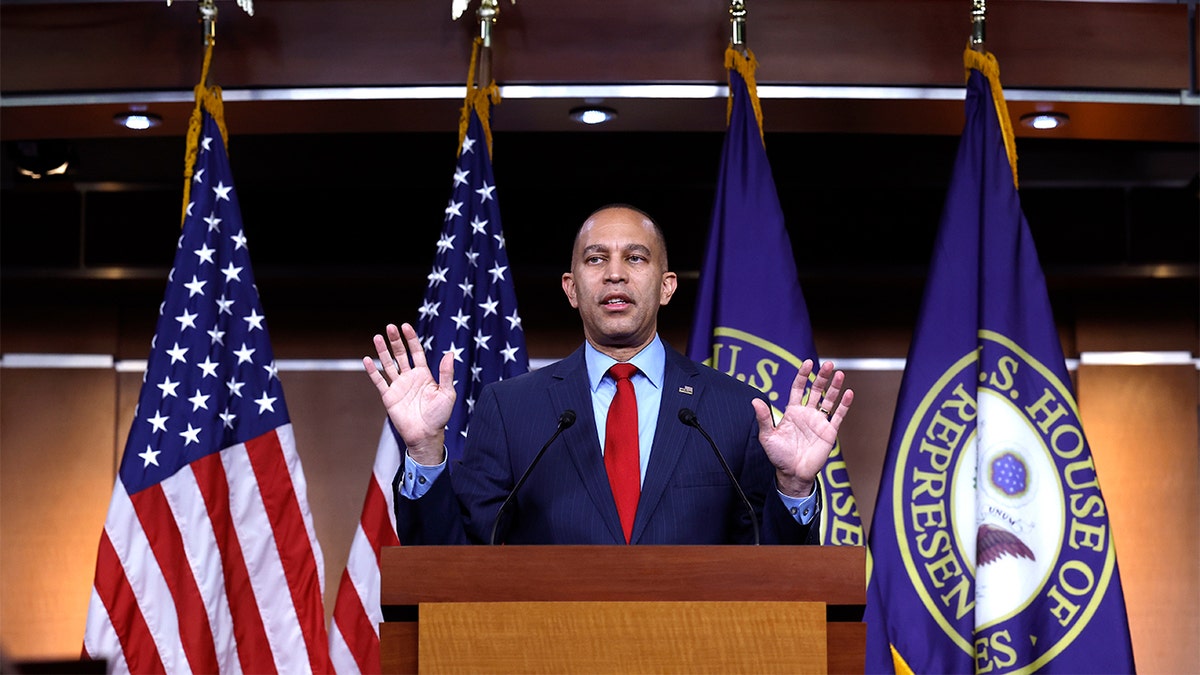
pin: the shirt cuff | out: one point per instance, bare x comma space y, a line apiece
418, 477
802, 508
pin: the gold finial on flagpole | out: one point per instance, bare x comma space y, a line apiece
978, 27
737, 22
208, 16
488, 12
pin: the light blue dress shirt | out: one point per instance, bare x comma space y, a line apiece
647, 386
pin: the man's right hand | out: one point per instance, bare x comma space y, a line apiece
418, 406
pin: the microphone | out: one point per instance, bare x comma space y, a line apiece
565, 421
689, 418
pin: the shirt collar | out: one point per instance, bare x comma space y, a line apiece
651, 361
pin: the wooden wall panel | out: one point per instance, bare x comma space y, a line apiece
56, 478
1141, 425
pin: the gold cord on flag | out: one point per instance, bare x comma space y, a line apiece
210, 99
985, 62
745, 66
479, 100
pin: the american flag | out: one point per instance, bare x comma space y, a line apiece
209, 561
470, 310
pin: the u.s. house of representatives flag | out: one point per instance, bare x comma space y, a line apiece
990, 543
469, 309
751, 319
208, 561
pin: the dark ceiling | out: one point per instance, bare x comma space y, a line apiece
343, 165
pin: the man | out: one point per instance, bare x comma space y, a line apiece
680, 491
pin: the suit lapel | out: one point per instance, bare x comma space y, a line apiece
681, 389
570, 390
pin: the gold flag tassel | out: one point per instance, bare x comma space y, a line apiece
745, 65
985, 62
209, 98
479, 100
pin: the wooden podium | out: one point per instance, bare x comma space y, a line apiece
561, 609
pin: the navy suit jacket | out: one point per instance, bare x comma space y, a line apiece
687, 498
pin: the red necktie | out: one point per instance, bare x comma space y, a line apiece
621, 456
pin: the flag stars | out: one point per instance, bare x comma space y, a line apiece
467, 287
232, 273
199, 401
454, 209
272, 371
437, 276
429, 309
205, 253
485, 192
254, 320
206, 143
468, 145
478, 226
158, 422
460, 176
214, 223
150, 456
218, 336
190, 435
481, 341
265, 403
195, 287
446, 243
222, 191
235, 387
489, 306
244, 354
477, 373
198, 177
510, 352
499, 237
208, 368
497, 272
186, 320
227, 418
461, 320
473, 258
223, 306
514, 321
168, 387
456, 352
239, 242
177, 354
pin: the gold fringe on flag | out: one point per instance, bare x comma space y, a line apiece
209, 98
745, 66
479, 100
985, 62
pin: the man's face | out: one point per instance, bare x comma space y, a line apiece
618, 280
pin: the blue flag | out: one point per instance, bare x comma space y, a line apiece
751, 320
990, 545
470, 306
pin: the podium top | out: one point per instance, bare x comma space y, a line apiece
835, 575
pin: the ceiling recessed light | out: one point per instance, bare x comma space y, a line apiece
137, 120
593, 114
1045, 120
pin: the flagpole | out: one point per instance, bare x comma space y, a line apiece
737, 26
978, 25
